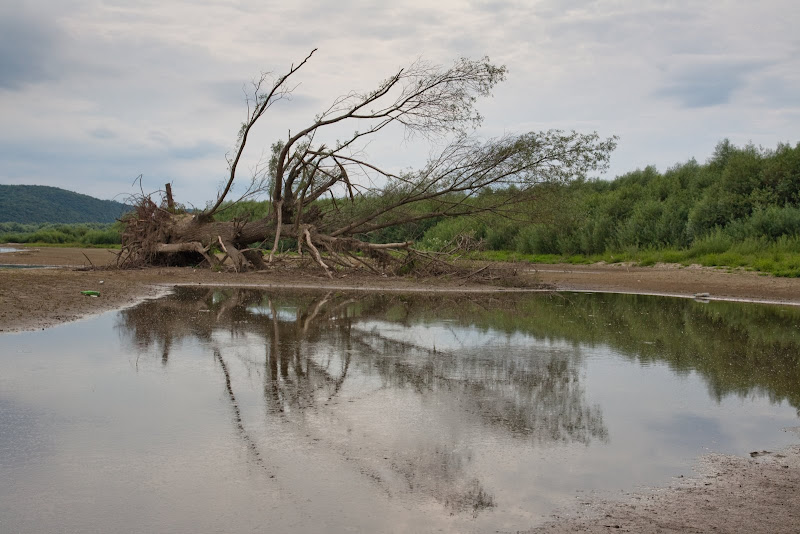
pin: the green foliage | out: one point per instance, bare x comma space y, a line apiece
36, 204
771, 222
537, 238
93, 234
741, 208
443, 233
246, 210
411, 231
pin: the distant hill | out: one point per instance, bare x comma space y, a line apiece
29, 204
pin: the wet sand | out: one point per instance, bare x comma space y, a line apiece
728, 494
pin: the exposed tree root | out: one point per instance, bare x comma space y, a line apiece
154, 236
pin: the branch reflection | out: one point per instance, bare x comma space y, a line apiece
325, 359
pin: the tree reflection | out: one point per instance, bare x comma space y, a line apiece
237, 413
311, 345
737, 348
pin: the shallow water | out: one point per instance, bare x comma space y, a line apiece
239, 410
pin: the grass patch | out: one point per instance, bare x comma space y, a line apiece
65, 235
779, 257
511, 256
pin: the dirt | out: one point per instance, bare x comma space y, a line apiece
727, 494
32, 299
672, 280
760, 493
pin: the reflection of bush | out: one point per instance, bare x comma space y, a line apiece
310, 341
310, 345
527, 393
737, 348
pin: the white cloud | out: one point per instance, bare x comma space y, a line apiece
94, 93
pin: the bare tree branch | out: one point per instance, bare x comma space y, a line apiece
332, 195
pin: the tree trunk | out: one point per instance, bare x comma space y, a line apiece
170, 201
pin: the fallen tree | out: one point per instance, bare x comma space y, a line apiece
329, 199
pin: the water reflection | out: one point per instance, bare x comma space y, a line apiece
313, 346
240, 410
739, 349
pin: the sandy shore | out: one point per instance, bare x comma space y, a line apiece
728, 494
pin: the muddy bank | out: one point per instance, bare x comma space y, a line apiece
31, 299
672, 279
36, 298
727, 494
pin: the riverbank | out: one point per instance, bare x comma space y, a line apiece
728, 494
36, 298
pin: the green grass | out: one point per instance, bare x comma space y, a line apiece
780, 257
65, 235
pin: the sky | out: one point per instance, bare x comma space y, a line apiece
95, 93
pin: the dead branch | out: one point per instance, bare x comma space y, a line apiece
364, 198
87, 259
278, 225
315, 253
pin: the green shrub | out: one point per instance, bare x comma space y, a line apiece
537, 239
102, 237
501, 235
715, 242
91, 234
445, 231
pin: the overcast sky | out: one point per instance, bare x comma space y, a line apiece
94, 93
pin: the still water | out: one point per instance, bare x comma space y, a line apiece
234, 410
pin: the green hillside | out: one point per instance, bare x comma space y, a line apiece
33, 204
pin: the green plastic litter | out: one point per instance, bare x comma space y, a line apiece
91, 293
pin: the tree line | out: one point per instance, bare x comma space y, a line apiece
743, 200
741, 207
